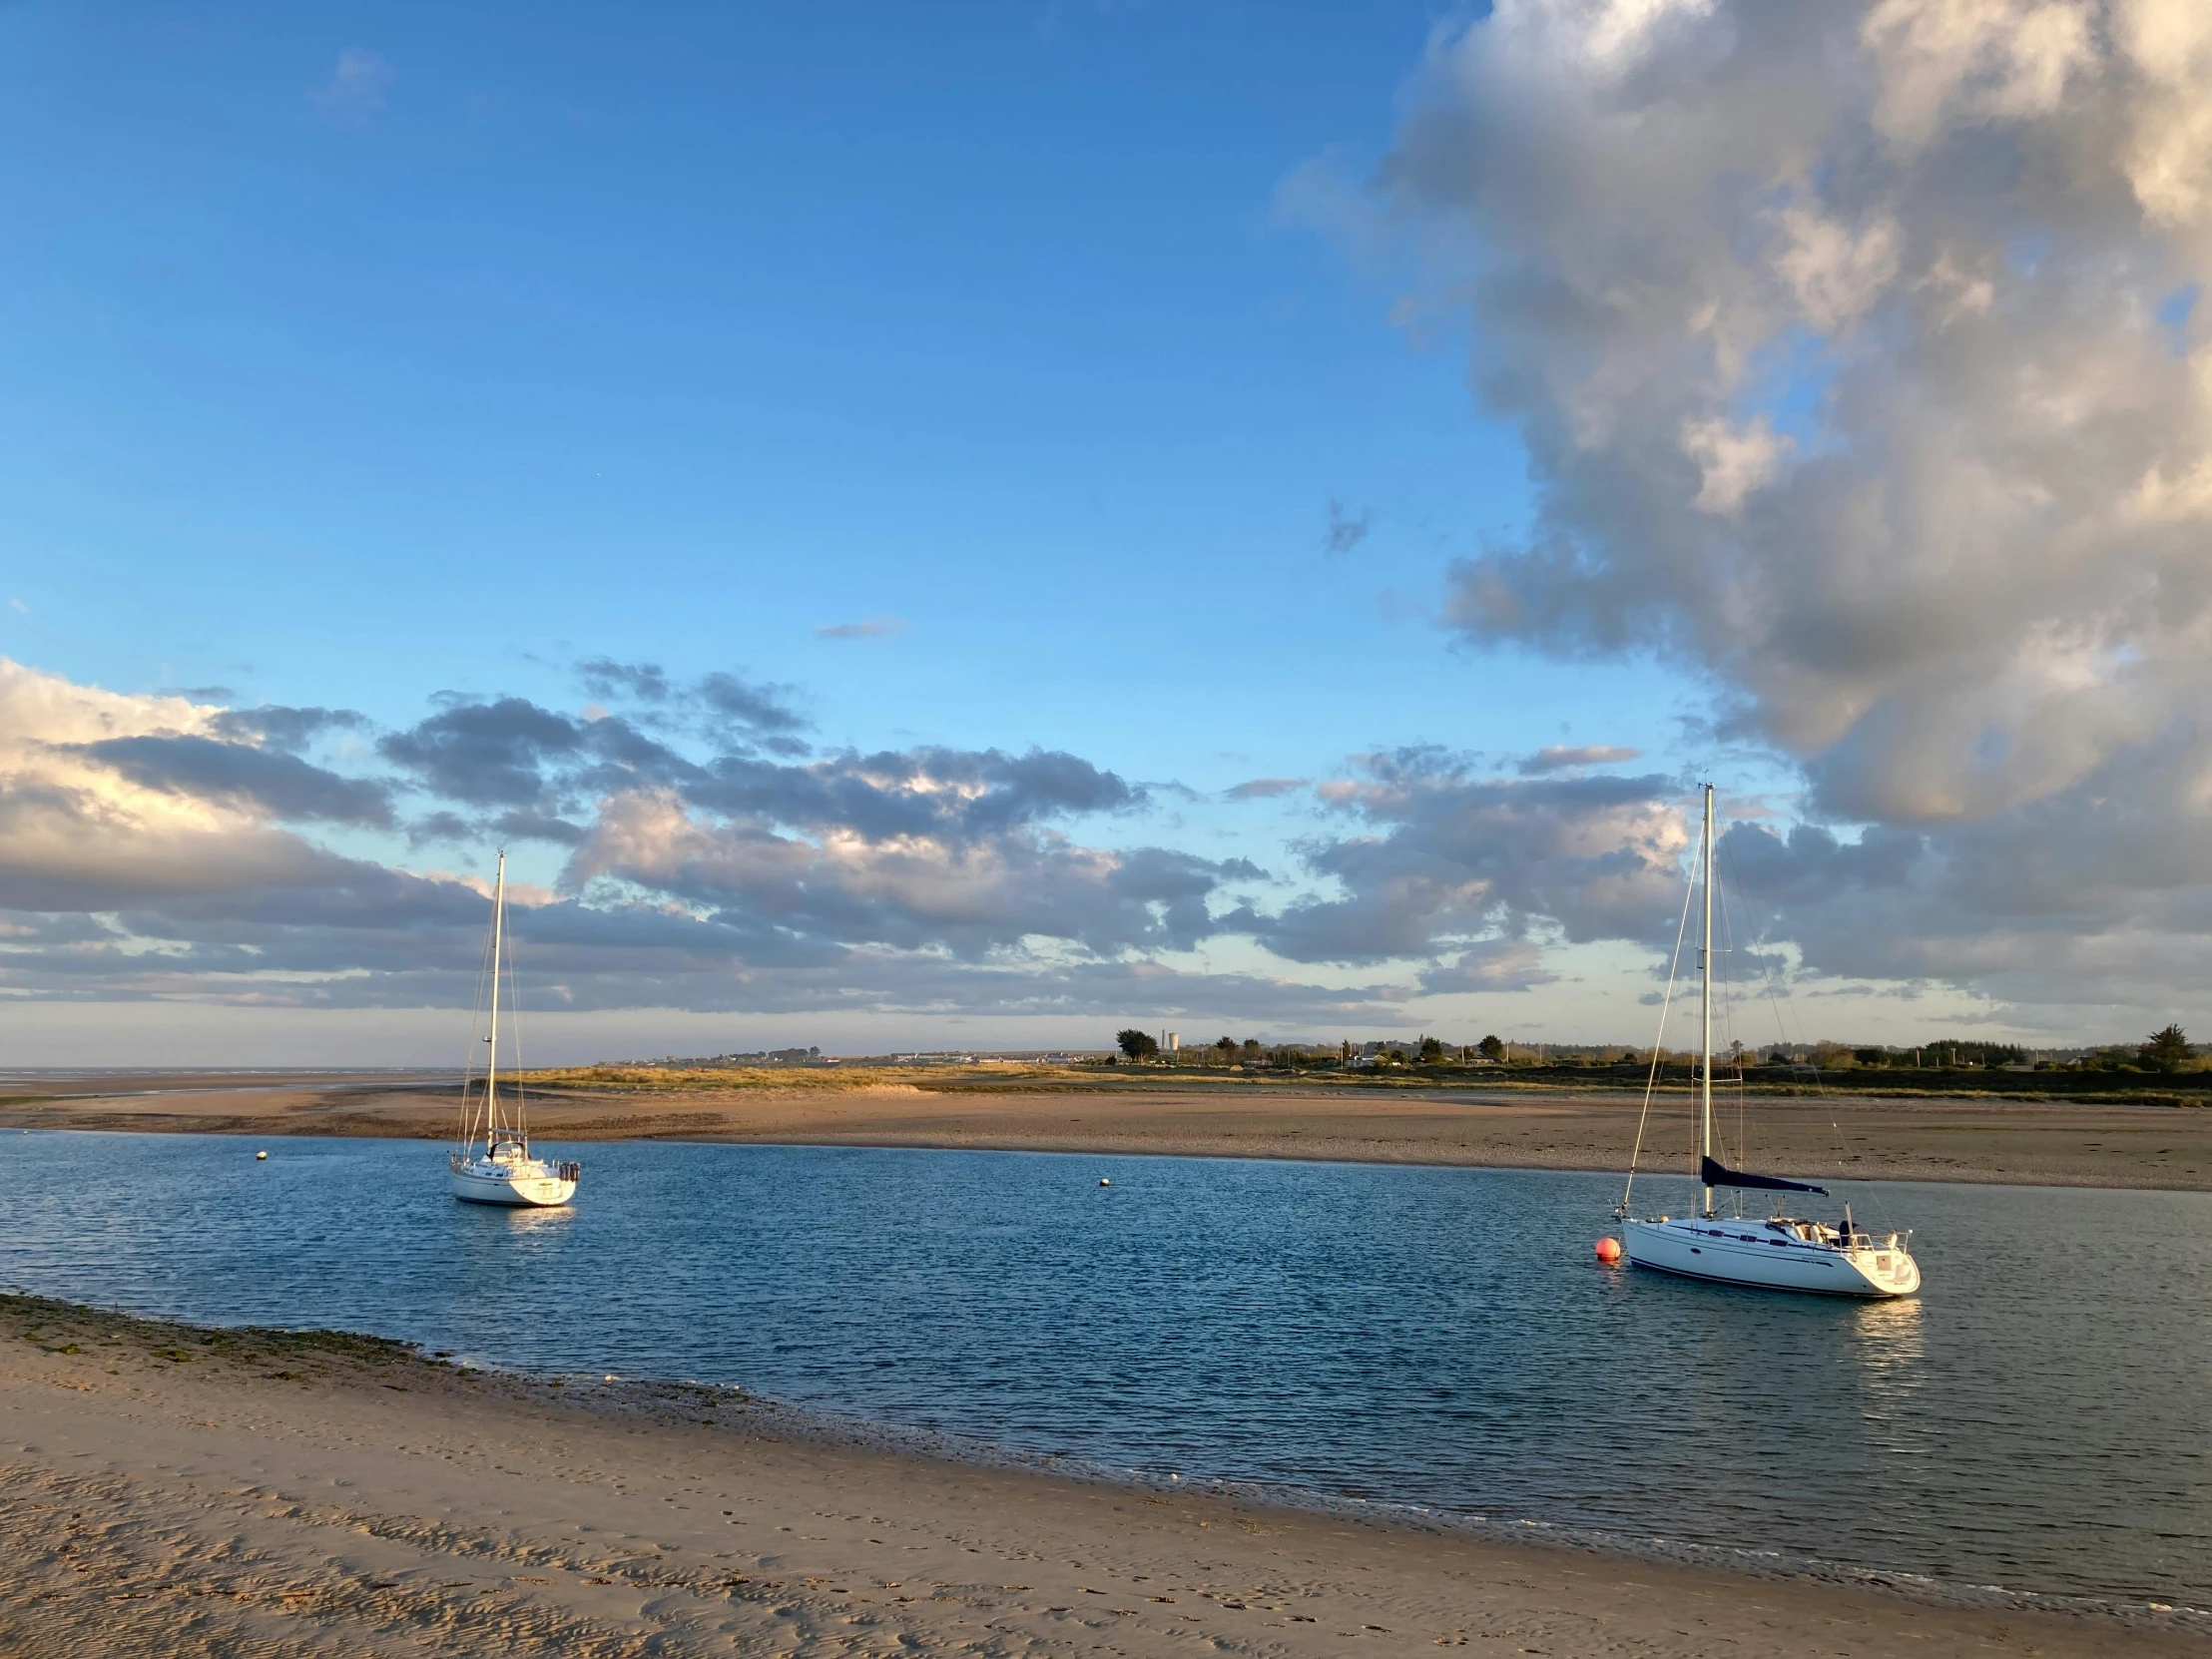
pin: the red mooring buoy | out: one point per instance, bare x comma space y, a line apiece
1609, 1249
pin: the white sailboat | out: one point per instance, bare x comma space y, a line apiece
491, 1162
1775, 1253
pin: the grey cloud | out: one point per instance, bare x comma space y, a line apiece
723, 706
1454, 855
604, 677
906, 889
490, 754
1751, 283
745, 880
511, 754
1833, 337
530, 824
868, 628
757, 707
1561, 758
64, 850
350, 934
1494, 965
1264, 789
575, 957
278, 783
2088, 898
277, 726
1346, 531
958, 794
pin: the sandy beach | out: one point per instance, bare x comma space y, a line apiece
1986, 1139
173, 1490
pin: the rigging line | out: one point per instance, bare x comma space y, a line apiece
1728, 1020
1658, 1045
1781, 1031
514, 1028
1784, 1006
1728, 1024
468, 1068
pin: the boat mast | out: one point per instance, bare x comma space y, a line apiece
1705, 963
491, 1059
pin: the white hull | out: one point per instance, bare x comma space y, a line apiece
1767, 1256
515, 1184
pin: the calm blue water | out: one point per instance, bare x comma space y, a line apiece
2038, 1420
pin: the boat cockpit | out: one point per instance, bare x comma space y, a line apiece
1847, 1237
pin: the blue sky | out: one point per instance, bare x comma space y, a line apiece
684, 342
972, 378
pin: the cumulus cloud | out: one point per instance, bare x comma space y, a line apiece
1451, 858
1854, 351
152, 847
723, 707
1835, 334
279, 784
79, 833
1494, 965
962, 892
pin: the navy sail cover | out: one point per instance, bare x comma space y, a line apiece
1713, 1174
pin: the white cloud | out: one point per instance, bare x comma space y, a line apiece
1842, 338
1732, 461
354, 94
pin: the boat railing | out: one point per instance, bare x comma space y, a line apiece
1863, 1240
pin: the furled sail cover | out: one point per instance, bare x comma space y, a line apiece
1712, 1174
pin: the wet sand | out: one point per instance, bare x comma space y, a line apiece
2029, 1142
171, 1491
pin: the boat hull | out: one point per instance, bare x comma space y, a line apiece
517, 1189
1756, 1256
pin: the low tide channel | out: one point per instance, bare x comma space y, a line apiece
2038, 1420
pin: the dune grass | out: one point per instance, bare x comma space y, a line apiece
619, 1079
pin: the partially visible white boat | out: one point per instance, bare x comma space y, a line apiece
491, 1162
1780, 1254
1776, 1253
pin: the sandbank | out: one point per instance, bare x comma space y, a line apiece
166, 1489
2033, 1142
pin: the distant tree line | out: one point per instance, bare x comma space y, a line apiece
2165, 1050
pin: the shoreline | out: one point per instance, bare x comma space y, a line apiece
2064, 1144
353, 1485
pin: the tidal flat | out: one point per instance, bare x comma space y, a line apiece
1859, 1135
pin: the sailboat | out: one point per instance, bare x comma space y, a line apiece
1775, 1253
491, 1161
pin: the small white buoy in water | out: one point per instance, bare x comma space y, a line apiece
1103, 1182
261, 1157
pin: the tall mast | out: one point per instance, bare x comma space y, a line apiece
1705, 963
491, 1060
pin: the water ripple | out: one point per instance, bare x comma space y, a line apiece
1437, 1337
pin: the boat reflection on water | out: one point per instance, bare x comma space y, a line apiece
543, 1220
1889, 1340
1889, 1331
